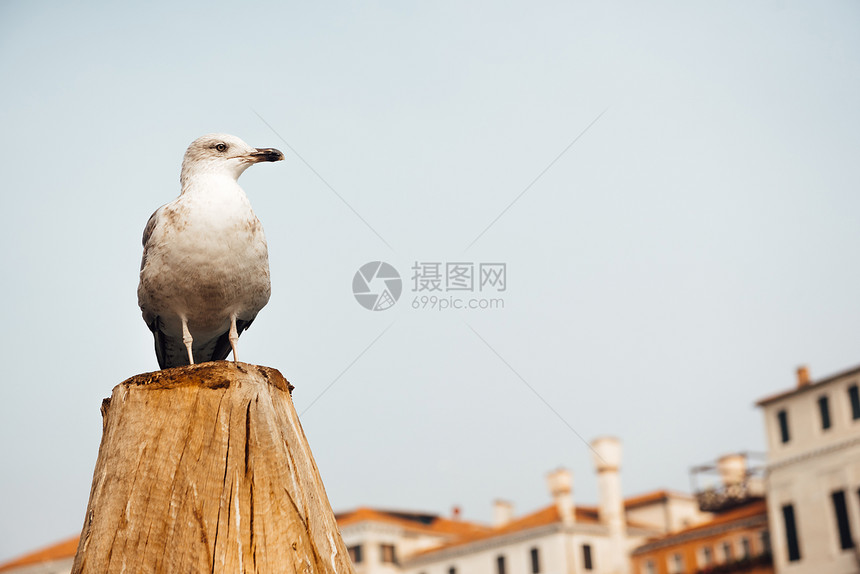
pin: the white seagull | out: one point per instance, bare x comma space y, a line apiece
205, 269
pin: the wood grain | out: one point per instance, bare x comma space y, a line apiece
206, 468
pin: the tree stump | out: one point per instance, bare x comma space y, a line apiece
206, 468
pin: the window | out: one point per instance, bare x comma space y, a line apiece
388, 554
727, 551
676, 564
854, 395
707, 556
587, 560
746, 549
355, 554
782, 416
500, 565
841, 511
648, 567
764, 538
535, 561
452, 570
791, 533
824, 410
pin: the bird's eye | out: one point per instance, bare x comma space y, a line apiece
222, 147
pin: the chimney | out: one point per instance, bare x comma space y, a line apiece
732, 469
455, 513
802, 376
560, 483
503, 512
607, 459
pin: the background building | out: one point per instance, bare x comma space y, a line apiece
54, 559
560, 538
379, 540
734, 539
813, 474
806, 524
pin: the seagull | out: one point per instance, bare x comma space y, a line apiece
204, 275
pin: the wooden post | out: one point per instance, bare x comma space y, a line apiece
206, 468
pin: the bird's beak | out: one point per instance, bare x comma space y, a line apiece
266, 154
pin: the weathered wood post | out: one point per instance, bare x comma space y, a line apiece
206, 468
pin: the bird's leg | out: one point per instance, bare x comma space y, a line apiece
233, 336
186, 338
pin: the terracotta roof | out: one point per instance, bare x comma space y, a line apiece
810, 386
460, 531
756, 507
428, 523
652, 497
543, 517
59, 551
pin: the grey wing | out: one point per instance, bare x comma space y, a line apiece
169, 351
222, 344
149, 315
147, 233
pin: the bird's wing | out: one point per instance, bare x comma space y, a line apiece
169, 351
147, 233
222, 344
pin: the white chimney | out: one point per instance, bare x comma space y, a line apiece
607, 459
503, 512
560, 483
732, 469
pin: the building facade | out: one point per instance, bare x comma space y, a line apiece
378, 541
735, 538
561, 538
813, 474
54, 559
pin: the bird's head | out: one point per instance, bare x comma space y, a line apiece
223, 154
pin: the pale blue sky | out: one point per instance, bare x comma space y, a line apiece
674, 265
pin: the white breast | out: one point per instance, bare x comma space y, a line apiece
205, 260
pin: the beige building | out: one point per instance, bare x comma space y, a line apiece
379, 540
813, 474
561, 538
54, 559
734, 539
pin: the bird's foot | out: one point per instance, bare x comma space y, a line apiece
233, 337
187, 339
